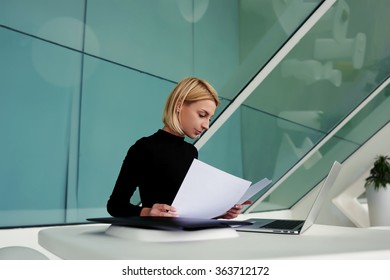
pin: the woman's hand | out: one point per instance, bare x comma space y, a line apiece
235, 210
159, 210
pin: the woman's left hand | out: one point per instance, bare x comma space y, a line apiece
235, 210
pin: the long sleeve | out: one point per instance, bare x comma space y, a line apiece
126, 184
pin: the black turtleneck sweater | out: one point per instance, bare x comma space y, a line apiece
157, 165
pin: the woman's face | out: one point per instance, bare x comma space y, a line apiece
195, 117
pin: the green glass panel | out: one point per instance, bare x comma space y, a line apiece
147, 35
57, 21
216, 41
38, 81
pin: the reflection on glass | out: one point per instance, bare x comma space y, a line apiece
328, 74
264, 26
350, 138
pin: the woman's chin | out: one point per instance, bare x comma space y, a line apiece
194, 136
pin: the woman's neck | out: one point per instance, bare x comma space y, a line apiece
167, 129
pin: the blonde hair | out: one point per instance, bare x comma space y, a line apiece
187, 90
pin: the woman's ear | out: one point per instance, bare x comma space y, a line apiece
179, 104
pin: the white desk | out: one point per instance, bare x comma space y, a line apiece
318, 242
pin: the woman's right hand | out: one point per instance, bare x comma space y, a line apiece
159, 210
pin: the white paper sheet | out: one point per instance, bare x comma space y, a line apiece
254, 189
208, 192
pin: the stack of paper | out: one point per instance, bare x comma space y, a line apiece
208, 192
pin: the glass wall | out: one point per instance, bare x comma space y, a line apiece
332, 70
38, 83
81, 81
349, 139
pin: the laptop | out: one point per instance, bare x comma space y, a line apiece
295, 226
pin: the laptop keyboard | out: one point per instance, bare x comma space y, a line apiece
283, 224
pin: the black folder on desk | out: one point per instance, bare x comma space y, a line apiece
167, 223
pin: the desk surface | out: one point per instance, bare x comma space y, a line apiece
318, 242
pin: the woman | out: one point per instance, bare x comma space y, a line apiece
157, 164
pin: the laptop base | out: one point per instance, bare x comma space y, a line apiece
273, 226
